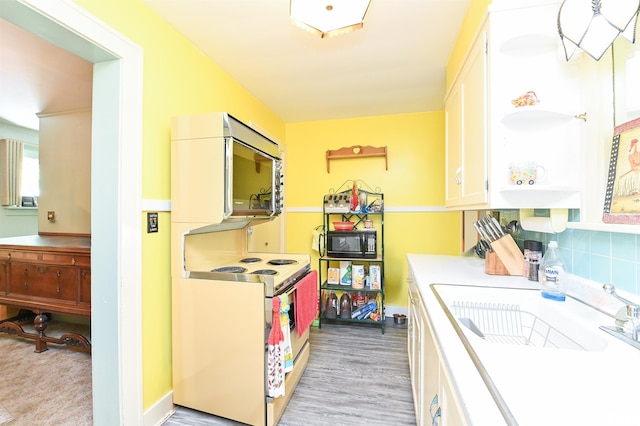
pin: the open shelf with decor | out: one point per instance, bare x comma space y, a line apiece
351, 270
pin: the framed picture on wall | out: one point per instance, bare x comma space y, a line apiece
622, 198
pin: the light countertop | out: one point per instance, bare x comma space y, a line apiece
539, 386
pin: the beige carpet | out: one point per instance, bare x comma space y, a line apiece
49, 388
5, 417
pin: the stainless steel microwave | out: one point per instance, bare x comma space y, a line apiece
355, 244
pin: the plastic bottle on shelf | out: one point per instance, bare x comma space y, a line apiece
331, 306
345, 305
553, 278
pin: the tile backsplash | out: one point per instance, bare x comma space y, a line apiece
605, 257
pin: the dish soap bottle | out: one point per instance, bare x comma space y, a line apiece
553, 279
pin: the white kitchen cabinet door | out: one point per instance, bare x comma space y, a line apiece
453, 181
433, 395
466, 147
414, 330
431, 408
450, 414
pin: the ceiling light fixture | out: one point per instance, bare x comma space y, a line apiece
593, 28
329, 18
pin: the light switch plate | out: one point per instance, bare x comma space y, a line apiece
152, 222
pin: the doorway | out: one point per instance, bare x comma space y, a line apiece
115, 207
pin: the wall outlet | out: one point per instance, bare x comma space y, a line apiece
51, 216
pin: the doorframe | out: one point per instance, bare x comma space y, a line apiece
116, 201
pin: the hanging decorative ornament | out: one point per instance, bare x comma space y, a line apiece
593, 25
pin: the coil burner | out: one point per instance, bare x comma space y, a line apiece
230, 269
282, 262
250, 260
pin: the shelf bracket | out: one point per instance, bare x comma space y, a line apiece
582, 116
357, 151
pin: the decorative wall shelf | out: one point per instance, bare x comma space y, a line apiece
357, 151
539, 188
532, 117
530, 44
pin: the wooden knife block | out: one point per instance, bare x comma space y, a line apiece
493, 265
506, 259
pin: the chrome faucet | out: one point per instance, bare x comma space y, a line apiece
629, 314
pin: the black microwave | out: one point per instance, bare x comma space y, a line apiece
356, 244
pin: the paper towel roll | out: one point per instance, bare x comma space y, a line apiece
537, 224
555, 223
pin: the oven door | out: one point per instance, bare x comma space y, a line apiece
297, 342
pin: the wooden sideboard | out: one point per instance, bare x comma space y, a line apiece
46, 274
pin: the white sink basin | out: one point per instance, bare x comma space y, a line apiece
522, 343
508, 316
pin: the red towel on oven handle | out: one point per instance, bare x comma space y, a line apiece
306, 301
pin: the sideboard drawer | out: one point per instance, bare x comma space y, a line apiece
44, 281
66, 259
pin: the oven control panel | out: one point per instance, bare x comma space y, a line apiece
336, 203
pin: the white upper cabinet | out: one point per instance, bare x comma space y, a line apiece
465, 110
523, 56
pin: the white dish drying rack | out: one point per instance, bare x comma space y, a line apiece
508, 324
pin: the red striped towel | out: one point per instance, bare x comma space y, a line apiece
306, 301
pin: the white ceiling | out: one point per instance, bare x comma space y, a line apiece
395, 64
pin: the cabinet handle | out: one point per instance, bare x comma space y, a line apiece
26, 286
435, 421
73, 260
58, 289
434, 404
458, 178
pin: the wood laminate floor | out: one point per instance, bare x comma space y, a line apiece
355, 376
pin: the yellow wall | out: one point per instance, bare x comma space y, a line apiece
415, 178
475, 14
178, 80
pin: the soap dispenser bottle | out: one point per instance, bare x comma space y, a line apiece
553, 277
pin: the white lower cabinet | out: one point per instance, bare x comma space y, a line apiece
433, 394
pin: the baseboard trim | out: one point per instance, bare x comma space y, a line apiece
159, 412
390, 310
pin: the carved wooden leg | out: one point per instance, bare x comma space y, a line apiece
40, 324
